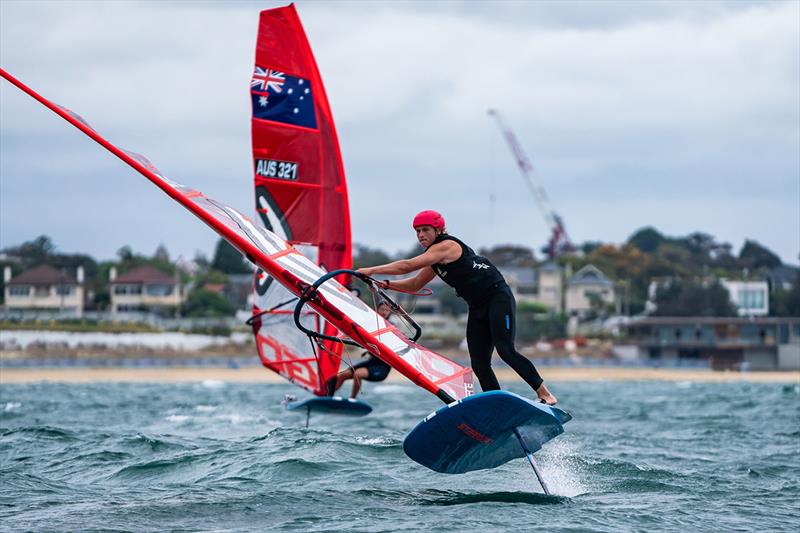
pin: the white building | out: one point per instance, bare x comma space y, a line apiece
550, 289
144, 289
751, 298
43, 288
588, 284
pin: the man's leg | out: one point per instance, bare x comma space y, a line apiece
343, 376
479, 342
502, 321
358, 375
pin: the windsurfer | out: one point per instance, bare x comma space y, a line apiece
491, 321
373, 369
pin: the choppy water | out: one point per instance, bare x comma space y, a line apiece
641, 456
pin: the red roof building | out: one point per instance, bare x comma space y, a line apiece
44, 288
145, 289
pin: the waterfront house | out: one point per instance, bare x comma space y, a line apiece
550, 286
145, 289
751, 298
522, 281
756, 343
586, 289
44, 289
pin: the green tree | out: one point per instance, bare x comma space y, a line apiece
534, 326
783, 302
647, 239
526, 306
228, 259
366, 256
689, 298
792, 306
754, 256
203, 303
451, 303
509, 254
125, 254
589, 246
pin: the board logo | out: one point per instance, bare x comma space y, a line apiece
272, 168
473, 433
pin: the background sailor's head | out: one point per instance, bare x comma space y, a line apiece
384, 309
428, 225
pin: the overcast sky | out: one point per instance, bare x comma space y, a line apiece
680, 115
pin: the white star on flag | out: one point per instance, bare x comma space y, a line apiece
262, 101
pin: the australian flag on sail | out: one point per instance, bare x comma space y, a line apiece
282, 98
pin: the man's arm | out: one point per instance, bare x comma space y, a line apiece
414, 284
446, 252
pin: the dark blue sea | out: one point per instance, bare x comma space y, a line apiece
214, 456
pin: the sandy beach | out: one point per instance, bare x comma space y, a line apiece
260, 375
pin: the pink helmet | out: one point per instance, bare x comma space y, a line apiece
429, 218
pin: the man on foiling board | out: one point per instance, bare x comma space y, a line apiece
373, 369
491, 322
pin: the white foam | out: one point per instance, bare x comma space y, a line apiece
374, 441
177, 418
234, 418
213, 383
205, 408
560, 470
11, 406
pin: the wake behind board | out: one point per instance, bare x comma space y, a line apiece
483, 431
333, 405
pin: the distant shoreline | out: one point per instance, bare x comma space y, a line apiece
262, 375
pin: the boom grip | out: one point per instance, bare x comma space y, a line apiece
310, 292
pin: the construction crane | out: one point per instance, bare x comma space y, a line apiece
559, 241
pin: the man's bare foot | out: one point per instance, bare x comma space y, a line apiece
545, 395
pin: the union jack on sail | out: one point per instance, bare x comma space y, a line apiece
264, 78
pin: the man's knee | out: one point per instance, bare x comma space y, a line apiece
506, 351
480, 364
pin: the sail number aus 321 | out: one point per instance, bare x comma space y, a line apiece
270, 168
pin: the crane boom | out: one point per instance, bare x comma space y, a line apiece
559, 240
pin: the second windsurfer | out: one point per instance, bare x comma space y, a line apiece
373, 369
491, 322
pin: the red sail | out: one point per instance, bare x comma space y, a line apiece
435, 373
300, 188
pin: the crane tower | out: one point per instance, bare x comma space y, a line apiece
559, 241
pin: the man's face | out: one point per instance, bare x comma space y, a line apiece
425, 235
384, 310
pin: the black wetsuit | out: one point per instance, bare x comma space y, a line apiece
491, 323
378, 370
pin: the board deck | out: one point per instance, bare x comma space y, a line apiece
334, 405
477, 432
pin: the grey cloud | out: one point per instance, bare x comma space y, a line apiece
631, 104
